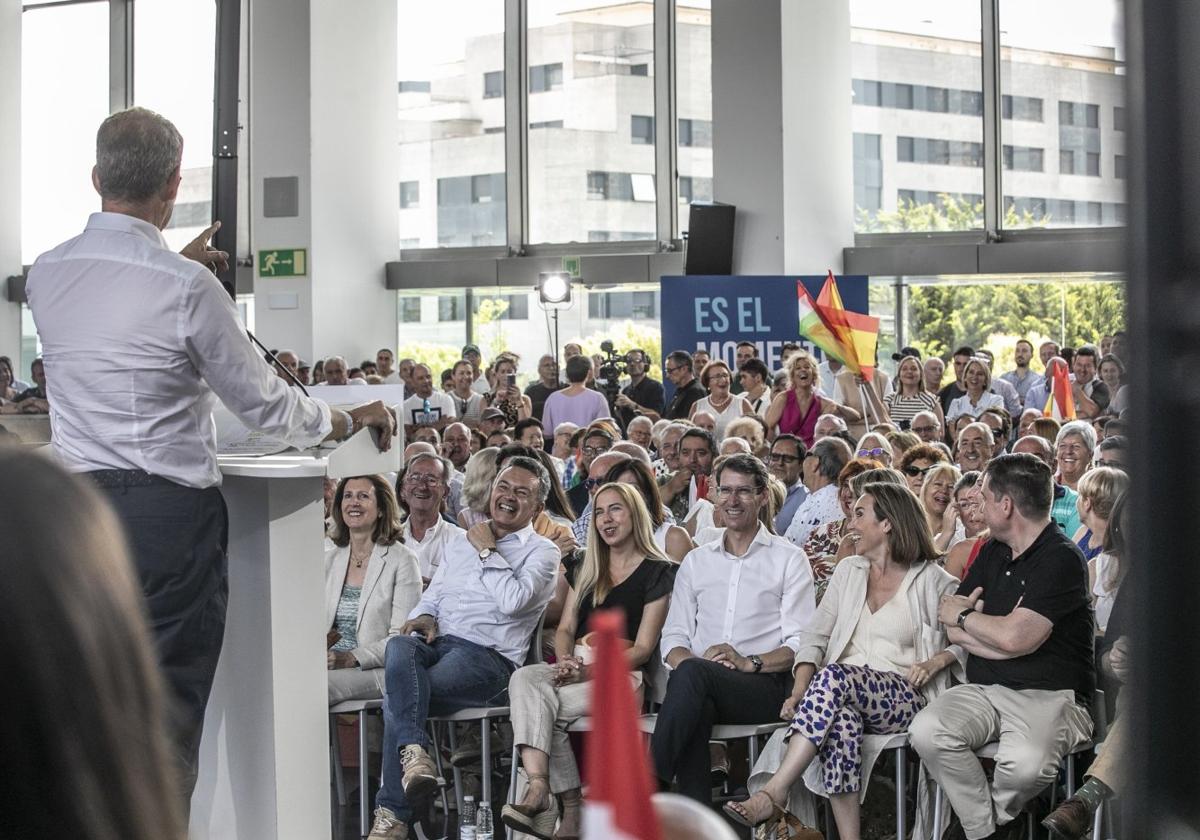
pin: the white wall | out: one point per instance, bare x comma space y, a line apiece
323, 108
10, 173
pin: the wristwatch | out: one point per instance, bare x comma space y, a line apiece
962, 618
756, 661
485, 554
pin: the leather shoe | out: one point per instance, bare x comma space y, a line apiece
1071, 819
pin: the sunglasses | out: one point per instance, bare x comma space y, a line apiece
913, 472
871, 453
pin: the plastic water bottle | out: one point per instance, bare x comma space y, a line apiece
483, 822
425, 410
466, 820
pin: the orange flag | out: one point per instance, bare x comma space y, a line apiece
856, 332
618, 805
1060, 402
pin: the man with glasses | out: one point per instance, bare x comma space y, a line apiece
787, 454
697, 451
926, 426
1112, 453
595, 442
737, 609
679, 371
591, 485
820, 468
424, 488
642, 397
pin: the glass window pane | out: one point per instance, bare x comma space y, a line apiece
693, 99
451, 99
64, 98
184, 96
1070, 57
591, 66
917, 86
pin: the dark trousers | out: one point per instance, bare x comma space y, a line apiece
701, 694
178, 538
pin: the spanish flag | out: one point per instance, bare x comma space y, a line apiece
618, 805
814, 327
1060, 402
857, 333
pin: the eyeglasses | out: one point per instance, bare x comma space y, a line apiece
924, 430
590, 484
870, 453
671, 370
914, 471
593, 451
745, 494
780, 458
421, 478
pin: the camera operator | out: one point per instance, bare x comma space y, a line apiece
642, 395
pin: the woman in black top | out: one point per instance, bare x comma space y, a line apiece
622, 568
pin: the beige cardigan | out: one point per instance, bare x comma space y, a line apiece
390, 590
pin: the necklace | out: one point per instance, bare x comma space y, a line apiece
722, 406
358, 561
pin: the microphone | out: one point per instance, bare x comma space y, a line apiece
278, 365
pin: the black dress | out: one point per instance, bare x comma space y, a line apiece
650, 581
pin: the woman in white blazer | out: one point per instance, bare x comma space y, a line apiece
872, 656
372, 582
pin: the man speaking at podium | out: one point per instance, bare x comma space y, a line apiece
138, 344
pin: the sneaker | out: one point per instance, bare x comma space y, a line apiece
469, 750
420, 774
388, 825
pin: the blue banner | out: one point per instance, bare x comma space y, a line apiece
715, 313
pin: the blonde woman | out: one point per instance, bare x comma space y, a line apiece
977, 379
477, 487
624, 568
941, 512
796, 410
721, 403
910, 397
1099, 490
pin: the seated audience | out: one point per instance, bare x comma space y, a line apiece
872, 657
1112, 451
34, 400
821, 547
1029, 667
505, 395
1025, 425
688, 485
1064, 510
595, 442
755, 379
372, 581
1073, 449
751, 429
977, 379
424, 491
671, 540
821, 467
427, 434
937, 500
456, 445
336, 371
597, 470
970, 512
668, 449
705, 420
974, 448
735, 446
640, 431
737, 610
915, 463
1000, 422
785, 463
622, 568
902, 442
426, 407
85, 719
724, 405
1099, 490
875, 445
910, 399
830, 425
928, 426
469, 632
468, 403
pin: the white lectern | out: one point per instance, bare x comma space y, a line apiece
264, 759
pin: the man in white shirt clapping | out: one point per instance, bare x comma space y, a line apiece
469, 632
733, 628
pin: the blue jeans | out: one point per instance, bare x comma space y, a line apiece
424, 679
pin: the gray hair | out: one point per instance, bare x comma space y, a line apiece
633, 450
531, 465
137, 151
640, 420
447, 465
838, 422
832, 455
1081, 428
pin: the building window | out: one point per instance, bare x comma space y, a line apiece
1028, 108
1118, 166
481, 189
693, 188
414, 87
916, 198
695, 133
639, 70
533, 126
1024, 158
410, 194
493, 84
620, 235
939, 152
641, 132
868, 171
410, 309
1118, 118
634, 305
452, 307
545, 77
517, 309
612, 186
1079, 114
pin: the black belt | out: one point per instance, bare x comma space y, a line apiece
126, 478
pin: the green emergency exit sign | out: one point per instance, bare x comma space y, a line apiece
283, 262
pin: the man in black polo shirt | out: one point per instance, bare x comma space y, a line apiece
1024, 618
678, 369
956, 388
642, 395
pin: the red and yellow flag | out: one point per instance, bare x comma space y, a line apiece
1060, 402
858, 334
814, 327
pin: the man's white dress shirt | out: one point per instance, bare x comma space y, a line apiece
495, 603
820, 508
432, 548
139, 342
757, 602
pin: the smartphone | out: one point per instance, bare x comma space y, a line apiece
512, 380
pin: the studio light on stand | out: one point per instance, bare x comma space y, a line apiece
554, 294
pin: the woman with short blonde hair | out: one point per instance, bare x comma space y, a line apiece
476, 491
937, 498
1099, 490
796, 410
